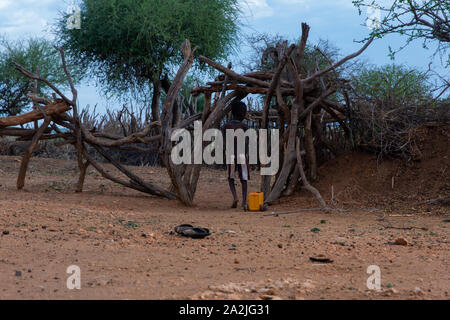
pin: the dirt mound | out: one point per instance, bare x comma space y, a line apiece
362, 179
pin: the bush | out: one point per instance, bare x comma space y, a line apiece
389, 104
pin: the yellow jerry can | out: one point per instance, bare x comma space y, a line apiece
256, 201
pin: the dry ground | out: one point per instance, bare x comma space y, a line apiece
123, 244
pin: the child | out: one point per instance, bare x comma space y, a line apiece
238, 111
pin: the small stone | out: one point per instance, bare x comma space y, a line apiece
393, 290
236, 261
270, 297
267, 291
401, 242
18, 273
6, 232
103, 282
280, 246
418, 291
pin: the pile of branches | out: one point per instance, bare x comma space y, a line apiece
58, 124
303, 107
393, 129
302, 110
126, 121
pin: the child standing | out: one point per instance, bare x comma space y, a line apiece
239, 112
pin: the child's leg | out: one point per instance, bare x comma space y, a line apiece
244, 192
243, 175
233, 191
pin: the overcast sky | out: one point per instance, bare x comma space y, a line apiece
335, 20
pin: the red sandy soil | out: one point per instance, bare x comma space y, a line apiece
123, 243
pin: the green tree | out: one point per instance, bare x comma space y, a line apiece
392, 85
134, 45
33, 54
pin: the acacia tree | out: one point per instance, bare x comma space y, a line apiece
133, 45
34, 54
418, 20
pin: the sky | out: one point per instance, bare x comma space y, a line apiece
335, 20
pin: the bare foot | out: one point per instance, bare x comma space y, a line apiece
235, 204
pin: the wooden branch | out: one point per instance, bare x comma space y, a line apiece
184, 193
19, 132
152, 189
316, 103
303, 40
244, 89
305, 180
56, 107
339, 63
29, 153
82, 176
207, 107
133, 138
37, 99
233, 74
185, 123
69, 79
289, 154
276, 214
36, 77
274, 85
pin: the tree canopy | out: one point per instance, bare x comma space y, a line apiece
131, 43
393, 85
33, 54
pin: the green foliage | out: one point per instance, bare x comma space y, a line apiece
31, 54
131, 224
129, 43
194, 103
392, 84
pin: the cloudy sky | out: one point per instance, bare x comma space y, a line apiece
335, 20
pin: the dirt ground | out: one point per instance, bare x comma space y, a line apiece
123, 244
